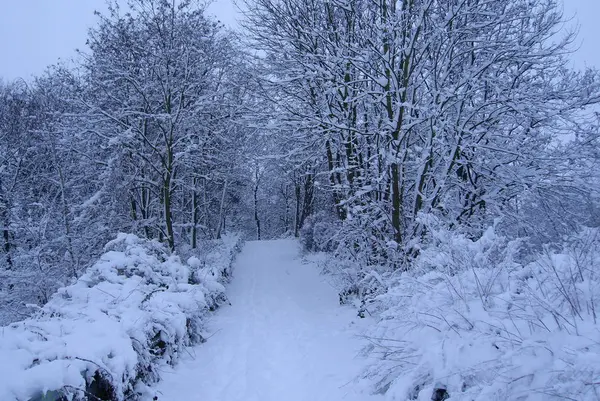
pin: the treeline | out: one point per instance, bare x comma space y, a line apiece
345, 121
449, 156
143, 136
465, 110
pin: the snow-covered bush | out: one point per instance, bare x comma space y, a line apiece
319, 233
355, 285
105, 336
473, 321
352, 261
216, 259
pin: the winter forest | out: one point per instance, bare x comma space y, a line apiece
441, 155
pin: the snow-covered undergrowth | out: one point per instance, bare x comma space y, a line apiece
469, 320
106, 336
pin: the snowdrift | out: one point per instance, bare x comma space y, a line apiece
105, 336
470, 323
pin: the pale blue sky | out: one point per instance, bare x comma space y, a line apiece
36, 33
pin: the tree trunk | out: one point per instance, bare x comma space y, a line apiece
256, 218
194, 213
6, 233
167, 199
221, 220
341, 212
65, 213
297, 223
308, 198
286, 213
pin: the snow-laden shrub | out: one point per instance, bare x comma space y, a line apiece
105, 336
469, 319
357, 286
354, 262
216, 259
319, 233
365, 238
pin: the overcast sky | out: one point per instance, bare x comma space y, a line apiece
36, 33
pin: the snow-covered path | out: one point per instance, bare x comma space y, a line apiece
285, 337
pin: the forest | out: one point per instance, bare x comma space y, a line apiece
443, 153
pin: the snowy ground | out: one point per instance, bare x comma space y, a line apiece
285, 337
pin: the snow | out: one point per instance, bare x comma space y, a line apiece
135, 308
486, 327
469, 318
285, 337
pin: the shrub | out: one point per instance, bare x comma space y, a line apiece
105, 336
470, 318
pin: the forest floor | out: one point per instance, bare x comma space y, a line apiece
284, 338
